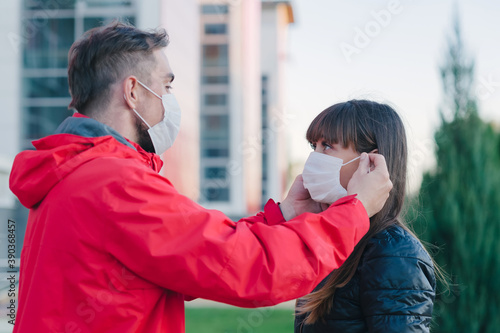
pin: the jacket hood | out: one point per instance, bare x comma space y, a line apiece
79, 140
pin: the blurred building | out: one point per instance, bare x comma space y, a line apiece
10, 114
228, 57
276, 17
230, 114
242, 155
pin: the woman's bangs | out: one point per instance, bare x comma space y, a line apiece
334, 125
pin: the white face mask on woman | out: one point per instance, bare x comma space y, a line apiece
164, 133
321, 177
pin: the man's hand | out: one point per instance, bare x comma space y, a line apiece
299, 201
371, 183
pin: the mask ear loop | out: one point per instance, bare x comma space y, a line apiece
137, 113
369, 169
151, 91
354, 159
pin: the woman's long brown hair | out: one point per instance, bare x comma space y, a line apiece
365, 126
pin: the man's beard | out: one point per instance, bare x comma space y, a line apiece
144, 140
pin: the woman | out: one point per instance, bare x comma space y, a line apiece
387, 284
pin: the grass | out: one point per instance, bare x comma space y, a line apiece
237, 320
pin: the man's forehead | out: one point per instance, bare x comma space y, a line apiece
164, 70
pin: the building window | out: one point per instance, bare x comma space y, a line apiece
46, 86
215, 127
97, 21
265, 143
50, 45
215, 99
42, 5
216, 193
43, 121
215, 79
70, 4
215, 173
215, 56
45, 92
219, 151
215, 29
214, 9
215, 183
108, 3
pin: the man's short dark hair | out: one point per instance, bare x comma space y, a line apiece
106, 54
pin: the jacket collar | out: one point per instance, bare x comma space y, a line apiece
82, 125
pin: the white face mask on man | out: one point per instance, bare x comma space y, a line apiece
164, 133
321, 176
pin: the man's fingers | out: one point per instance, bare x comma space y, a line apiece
379, 164
378, 161
299, 182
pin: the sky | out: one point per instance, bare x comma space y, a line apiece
387, 51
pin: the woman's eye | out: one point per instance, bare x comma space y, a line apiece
169, 87
326, 146
313, 145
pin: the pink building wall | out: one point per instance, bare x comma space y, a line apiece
181, 20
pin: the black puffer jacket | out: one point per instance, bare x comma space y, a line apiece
392, 290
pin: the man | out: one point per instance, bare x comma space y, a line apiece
111, 246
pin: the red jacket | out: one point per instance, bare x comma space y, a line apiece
111, 246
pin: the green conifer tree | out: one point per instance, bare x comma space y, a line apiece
459, 209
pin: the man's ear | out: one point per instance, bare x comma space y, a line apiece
130, 91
